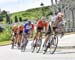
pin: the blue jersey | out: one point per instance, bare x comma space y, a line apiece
27, 28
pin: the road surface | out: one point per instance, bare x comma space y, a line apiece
6, 53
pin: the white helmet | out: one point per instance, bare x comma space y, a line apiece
43, 18
60, 14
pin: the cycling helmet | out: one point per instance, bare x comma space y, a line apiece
43, 18
29, 22
14, 25
60, 14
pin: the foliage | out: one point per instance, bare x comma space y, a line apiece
16, 19
3, 13
20, 19
5, 35
32, 14
8, 19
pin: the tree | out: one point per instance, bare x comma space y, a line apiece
20, 19
3, 12
8, 19
1, 18
16, 19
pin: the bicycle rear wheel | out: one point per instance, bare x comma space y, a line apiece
53, 44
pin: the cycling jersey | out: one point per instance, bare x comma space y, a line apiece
27, 28
20, 28
42, 24
14, 29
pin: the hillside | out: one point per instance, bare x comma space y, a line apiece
32, 13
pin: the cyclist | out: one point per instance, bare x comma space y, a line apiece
20, 31
26, 33
54, 26
60, 23
14, 29
27, 27
41, 24
14, 33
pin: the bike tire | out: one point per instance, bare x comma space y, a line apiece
39, 47
54, 42
33, 48
45, 50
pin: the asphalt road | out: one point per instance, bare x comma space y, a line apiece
6, 53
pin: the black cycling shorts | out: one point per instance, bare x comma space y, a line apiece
54, 28
49, 30
20, 32
39, 29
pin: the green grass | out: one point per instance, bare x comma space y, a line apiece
32, 14
4, 43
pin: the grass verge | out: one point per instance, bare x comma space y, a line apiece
4, 43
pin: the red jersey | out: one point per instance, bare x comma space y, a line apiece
32, 26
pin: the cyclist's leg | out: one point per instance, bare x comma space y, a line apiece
46, 39
15, 38
38, 34
47, 36
12, 39
20, 36
26, 39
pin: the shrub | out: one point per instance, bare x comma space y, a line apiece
6, 34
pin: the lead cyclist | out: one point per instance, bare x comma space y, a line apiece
55, 26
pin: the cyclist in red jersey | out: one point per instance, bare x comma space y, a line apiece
14, 29
20, 32
14, 33
41, 24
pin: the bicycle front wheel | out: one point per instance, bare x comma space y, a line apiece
53, 44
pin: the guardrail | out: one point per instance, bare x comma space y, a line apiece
6, 25
69, 29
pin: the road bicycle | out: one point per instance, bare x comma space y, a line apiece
51, 43
24, 42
